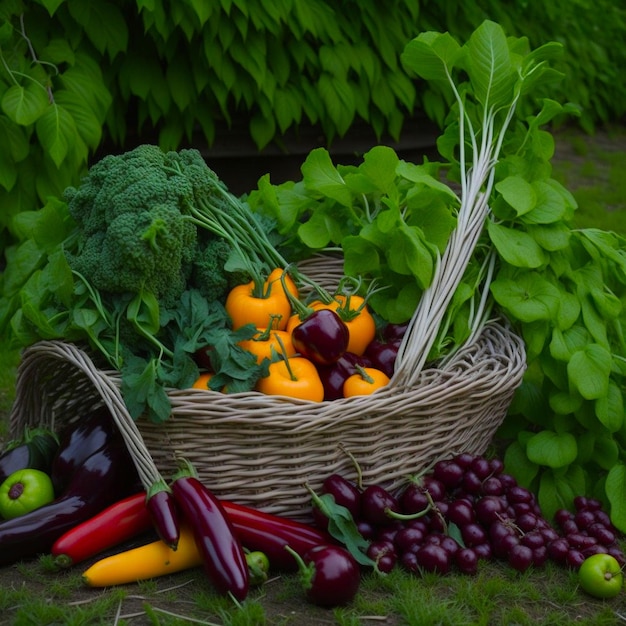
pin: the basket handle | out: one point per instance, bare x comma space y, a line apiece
42, 356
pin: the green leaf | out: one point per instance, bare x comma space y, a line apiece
317, 232
610, 408
51, 5
515, 246
564, 403
558, 488
360, 256
379, 167
615, 487
552, 449
341, 526
14, 139
85, 79
551, 237
550, 206
338, 98
104, 24
516, 461
56, 131
320, 175
565, 343
420, 175
431, 55
489, 66
589, 370
408, 254
25, 105
529, 297
86, 121
262, 129
518, 193
606, 452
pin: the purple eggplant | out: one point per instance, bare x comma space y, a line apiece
394, 332
222, 554
321, 337
35, 450
330, 576
98, 482
383, 355
78, 442
163, 512
333, 376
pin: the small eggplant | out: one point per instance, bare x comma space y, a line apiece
163, 511
34, 451
334, 376
222, 554
330, 576
78, 442
383, 355
322, 337
101, 479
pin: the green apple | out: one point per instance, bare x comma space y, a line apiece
23, 491
600, 575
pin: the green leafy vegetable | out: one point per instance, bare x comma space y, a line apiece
136, 264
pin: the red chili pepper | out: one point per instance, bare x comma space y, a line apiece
222, 553
117, 523
129, 518
270, 534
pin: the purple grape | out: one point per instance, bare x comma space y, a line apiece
471, 483
520, 557
574, 558
492, 486
473, 534
558, 549
408, 539
461, 512
376, 503
433, 558
448, 473
488, 509
466, 561
413, 499
481, 467
464, 460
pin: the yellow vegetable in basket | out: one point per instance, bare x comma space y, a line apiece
366, 380
296, 377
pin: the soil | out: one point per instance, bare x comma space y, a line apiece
178, 594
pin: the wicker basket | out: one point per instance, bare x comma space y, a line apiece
262, 450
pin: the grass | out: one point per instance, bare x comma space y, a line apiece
594, 172
33, 593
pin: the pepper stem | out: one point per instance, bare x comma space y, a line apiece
364, 375
283, 355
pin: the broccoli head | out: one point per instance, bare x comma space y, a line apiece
134, 230
151, 249
208, 269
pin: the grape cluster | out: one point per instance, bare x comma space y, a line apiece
467, 509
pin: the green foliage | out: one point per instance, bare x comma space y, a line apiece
562, 287
75, 73
113, 268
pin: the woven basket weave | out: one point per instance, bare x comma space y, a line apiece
262, 450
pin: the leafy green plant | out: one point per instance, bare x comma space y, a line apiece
53, 103
562, 287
